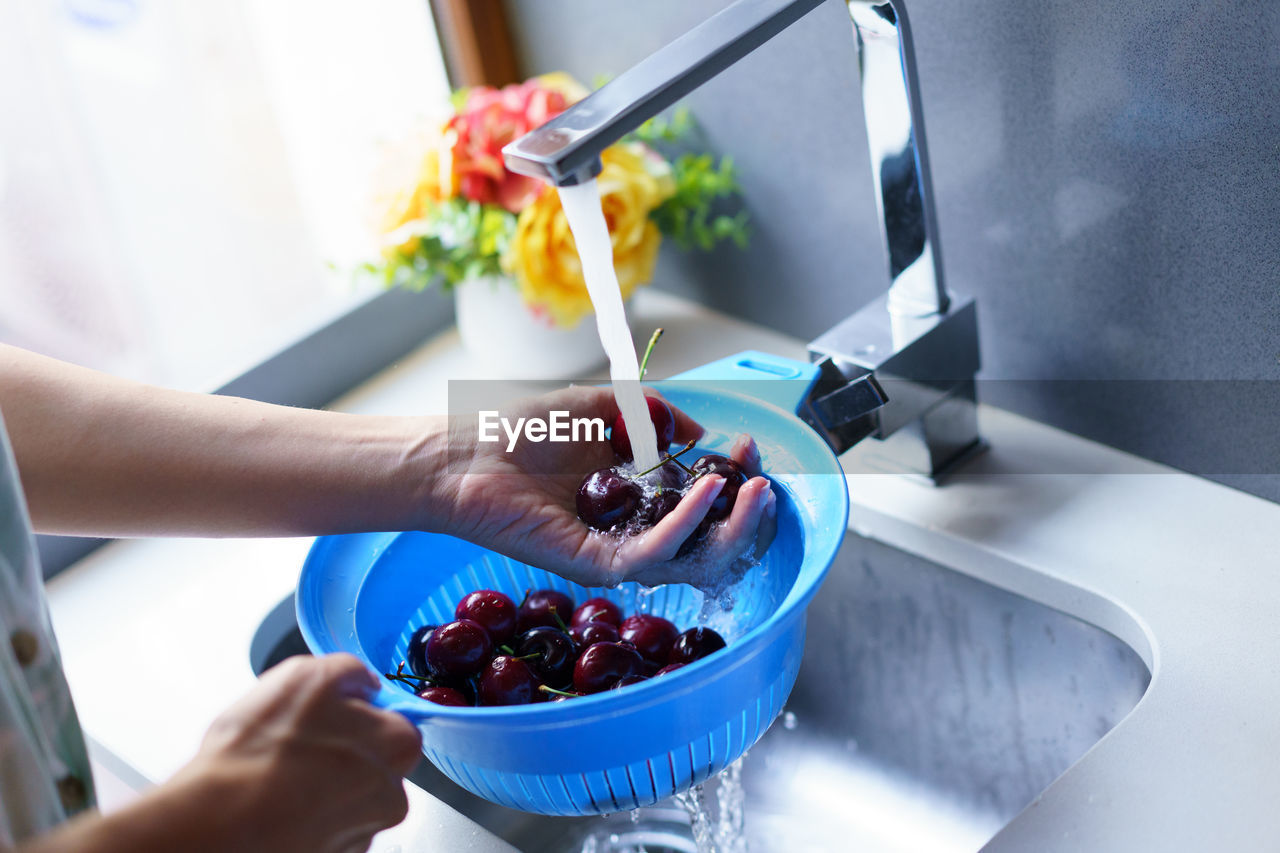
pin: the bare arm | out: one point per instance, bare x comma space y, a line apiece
104, 456
100, 455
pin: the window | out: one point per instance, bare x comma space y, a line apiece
184, 187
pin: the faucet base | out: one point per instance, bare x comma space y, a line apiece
925, 366
931, 448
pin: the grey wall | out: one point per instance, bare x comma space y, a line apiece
1107, 177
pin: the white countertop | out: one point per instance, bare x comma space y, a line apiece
1180, 568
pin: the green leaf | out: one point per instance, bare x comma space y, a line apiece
457, 240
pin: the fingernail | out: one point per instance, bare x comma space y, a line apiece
771, 505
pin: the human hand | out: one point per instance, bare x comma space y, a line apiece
304, 762
522, 503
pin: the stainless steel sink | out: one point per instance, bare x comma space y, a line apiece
931, 708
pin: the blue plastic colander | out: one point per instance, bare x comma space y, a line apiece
617, 750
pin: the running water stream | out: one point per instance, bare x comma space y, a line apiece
582, 209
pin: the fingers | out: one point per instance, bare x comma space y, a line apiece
332, 691
745, 523
746, 454
347, 675
392, 738
388, 736
655, 557
663, 542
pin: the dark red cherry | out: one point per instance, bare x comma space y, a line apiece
444, 696
458, 649
695, 644
695, 538
507, 681
597, 610
589, 633
664, 424
655, 507
734, 479
416, 653
543, 607
628, 680
652, 636
492, 609
671, 667
554, 654
607, 498
602, 664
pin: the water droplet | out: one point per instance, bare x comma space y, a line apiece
789, 721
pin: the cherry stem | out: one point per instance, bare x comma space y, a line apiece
672, 458
545, 689
529, 657
506, 650
556, 615
644, 362
407, 678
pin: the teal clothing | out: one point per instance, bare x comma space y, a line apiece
44, 766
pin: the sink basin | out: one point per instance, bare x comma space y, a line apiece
931, 708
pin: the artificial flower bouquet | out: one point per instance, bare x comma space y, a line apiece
458, 214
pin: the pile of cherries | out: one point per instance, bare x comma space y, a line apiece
615, 499
495, 653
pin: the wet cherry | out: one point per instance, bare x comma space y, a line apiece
458, 649
589, 633
671, 667
507, 681
664, 424
416, 653
444, 696
597, 610
734, 479
628, 680
492, 609
543, 607
602, 664
652, 636
555, 653
607, 498
655, 507
695, 644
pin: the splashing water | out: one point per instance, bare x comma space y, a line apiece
695, 804
582, 209
731, 822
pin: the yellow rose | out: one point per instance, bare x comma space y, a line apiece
414, 175
544, 258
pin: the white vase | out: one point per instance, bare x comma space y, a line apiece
508, 341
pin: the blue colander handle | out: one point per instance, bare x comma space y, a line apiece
794, 378
391, 699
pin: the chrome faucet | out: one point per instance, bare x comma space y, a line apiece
917, 344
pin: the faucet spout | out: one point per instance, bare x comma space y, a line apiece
566, 150
900, 371
899, 157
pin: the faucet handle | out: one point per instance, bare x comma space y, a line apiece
842, 409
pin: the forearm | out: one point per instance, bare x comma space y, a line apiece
99, 455
163, 820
